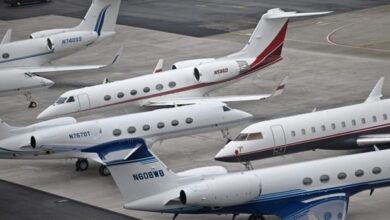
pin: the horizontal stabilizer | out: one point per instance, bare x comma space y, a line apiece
7, 37
276, 13
376, 93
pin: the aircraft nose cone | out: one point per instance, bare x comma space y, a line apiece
45, 114
226, 154
47, 82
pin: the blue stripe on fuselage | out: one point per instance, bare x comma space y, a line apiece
27, 57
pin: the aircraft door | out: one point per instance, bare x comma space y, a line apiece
279, 139
83, 101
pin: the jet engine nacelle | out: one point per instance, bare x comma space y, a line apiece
227, 190
204, 171
190, 63
47, 33
219, 70
71, 40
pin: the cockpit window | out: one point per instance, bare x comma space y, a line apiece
241, 137
225, 108
61, 100
28, 75
71, 99
255, 136
249, 136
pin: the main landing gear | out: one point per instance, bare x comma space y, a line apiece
30, 99
82, 164
256, 217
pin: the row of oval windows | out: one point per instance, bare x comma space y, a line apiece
134, 92
146, 127
343, 124
341, 176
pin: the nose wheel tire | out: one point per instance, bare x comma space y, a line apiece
104, 171
82, 165
32, 105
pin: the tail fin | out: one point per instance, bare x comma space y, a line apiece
137, 172
101, 17
5, 130
266, 41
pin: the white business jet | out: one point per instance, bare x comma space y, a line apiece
357, 126
190, 81
20, 61
65, 137
313, 190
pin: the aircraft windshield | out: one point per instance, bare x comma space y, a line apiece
71, 99
61, 100
225, 108
249, 136
28, 75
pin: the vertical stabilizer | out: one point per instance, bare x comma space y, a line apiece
101, 17
137, 172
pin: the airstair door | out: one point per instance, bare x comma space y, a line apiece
279, 139
83, 102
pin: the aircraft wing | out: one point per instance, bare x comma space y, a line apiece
373, 139
45, 69
236, 98
318, 208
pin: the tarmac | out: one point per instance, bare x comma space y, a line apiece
331, 61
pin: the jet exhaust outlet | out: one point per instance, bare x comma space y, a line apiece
33, 142
183, 197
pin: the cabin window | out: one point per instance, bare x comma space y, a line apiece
359, 173
146, 127
342, 176
374, 119
160, 125
343, 124
324, 178
323, 128
189, 120
313, 130
376, 170
131, 130
146, 89
384, 117
293, 133
363, 120
353, 122
303, 131
333, 126
159, 87
255, 136
70, 99
133, 92
116, 132
307, 181
120, 95
107, 97
61, 100
5, 55
172, 84
175, 123
241, 137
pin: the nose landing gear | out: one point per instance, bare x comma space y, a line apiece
30, 99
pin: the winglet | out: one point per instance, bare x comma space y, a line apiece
376, 93
159, 66
276, 13
7, 37
116, 57
280, 89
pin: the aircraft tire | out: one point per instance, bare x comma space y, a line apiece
82, 165
104, 171
256, 217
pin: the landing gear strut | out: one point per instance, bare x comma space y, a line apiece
226, 134
82, 164
256, 217
104, 171
30, 99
